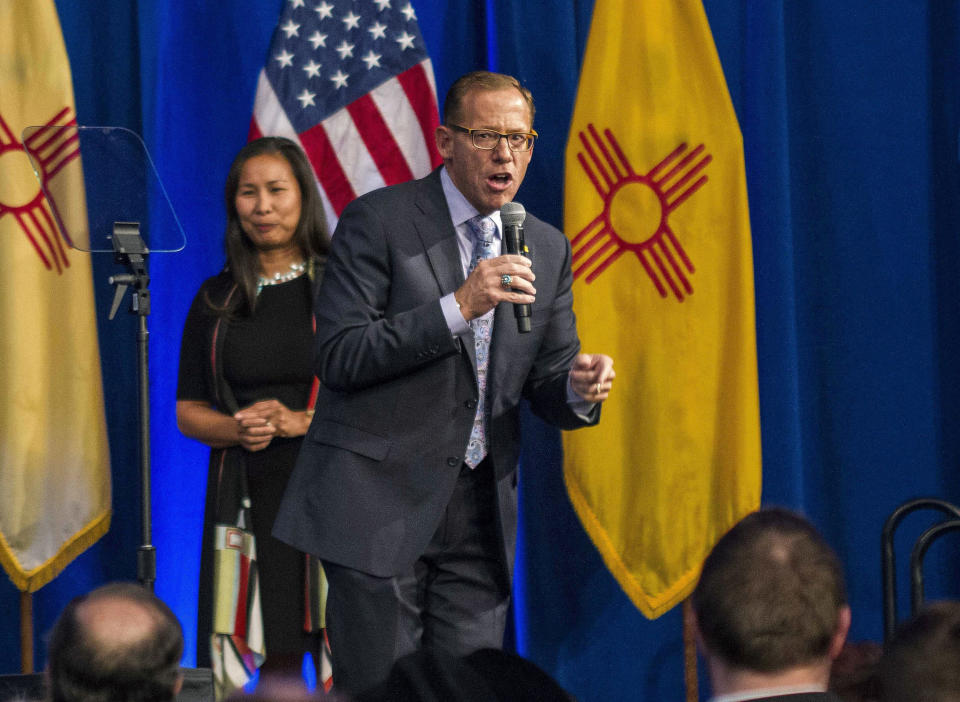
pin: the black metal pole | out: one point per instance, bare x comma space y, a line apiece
146, 554
130, 250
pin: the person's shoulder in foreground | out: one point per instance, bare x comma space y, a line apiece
486, 675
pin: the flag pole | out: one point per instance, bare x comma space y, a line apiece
690, 653
26, 632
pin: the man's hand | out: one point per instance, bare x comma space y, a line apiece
591, 376
484, 289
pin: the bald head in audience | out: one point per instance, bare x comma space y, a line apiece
119, 643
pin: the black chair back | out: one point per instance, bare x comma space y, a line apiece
920, 547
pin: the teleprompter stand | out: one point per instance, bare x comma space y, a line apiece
106, 196
129, 250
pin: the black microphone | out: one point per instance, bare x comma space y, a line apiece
512, 215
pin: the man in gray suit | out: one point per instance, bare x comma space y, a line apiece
771, 611
406, 483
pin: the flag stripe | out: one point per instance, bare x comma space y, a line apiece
30, 233
422, 94
326, 165
56, 119
8, 137
403, 122
357, 165
67, 150
378, 139
50, 236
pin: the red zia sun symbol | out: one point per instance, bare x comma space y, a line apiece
54, 145
635, 211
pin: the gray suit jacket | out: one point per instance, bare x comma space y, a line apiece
398, 396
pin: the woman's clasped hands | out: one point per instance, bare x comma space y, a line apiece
260, 422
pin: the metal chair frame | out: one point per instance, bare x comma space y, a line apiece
916, 556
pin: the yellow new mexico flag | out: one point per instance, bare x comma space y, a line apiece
656, 209
54, 463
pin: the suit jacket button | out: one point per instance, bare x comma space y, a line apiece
453, 461
470, 404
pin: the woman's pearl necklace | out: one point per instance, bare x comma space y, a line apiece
296, 270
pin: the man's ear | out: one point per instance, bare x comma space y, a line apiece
840, 633
444, 140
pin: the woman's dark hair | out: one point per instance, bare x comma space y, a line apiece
310, 236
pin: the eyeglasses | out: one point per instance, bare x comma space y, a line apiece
488, 139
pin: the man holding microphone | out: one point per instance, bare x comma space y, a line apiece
406, 483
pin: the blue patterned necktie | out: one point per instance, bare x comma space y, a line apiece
483, 230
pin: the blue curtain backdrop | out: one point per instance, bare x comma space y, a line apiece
850, 119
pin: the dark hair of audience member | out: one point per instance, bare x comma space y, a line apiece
280, 688
770, 593
486, 675
83, 667
921, 662
853, 675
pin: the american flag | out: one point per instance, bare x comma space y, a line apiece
350, 80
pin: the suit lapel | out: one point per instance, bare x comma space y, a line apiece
439, 239
437, 234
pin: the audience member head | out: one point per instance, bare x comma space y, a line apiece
487, 675
771, 605
278, 688
853, 675
119, 643
921, 663
512, 677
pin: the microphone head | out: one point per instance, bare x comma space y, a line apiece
512, 214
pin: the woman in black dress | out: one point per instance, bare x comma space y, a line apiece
246, 389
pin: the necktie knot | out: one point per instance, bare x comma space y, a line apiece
482, 228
